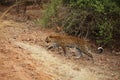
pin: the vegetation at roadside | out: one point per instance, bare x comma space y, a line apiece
98, 20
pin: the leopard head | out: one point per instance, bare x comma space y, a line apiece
48, 39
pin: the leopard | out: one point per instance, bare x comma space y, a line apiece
63, 41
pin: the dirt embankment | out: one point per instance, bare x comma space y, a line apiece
23, 56
16, 63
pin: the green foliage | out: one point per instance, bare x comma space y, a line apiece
75, 23
98, 19
98, 13
103, 6
50, 11
104, 36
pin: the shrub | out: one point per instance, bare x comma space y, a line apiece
94, 19
50, 12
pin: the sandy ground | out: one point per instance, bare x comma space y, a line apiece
24, 56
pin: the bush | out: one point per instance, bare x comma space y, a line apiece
94, 19
50, 12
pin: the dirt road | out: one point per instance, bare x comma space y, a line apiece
23, 56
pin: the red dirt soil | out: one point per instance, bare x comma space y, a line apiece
17, 63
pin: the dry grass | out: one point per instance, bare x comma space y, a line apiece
58, 68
